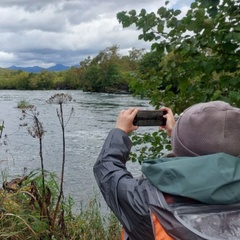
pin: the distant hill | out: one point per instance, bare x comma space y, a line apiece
36, 69
57, 68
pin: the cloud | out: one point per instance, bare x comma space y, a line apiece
48, 32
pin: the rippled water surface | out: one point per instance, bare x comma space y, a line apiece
94, 115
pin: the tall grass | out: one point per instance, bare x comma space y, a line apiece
34, 207
20, 219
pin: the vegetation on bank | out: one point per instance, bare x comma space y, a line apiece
107, 72
23, 104
21, 213
34, 206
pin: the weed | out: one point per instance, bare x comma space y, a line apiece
23, 104
34, 207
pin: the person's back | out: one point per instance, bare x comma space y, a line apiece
194, 195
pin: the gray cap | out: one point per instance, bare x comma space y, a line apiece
207, 128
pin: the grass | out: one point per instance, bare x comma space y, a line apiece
34, 207
24, 104
20, 216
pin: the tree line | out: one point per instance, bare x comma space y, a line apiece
107, 72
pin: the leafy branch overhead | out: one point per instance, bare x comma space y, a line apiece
198, 53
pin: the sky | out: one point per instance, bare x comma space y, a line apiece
48, 32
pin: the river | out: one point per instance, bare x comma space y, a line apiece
94, 116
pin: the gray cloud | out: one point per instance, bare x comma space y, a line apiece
47, 32
28, 5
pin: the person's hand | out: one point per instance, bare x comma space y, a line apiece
125, 120
170, 121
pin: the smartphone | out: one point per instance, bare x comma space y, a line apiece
150, 118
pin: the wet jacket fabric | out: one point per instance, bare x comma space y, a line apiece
146, 213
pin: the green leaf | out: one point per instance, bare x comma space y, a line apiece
237, 28
160, 28
163, 13
208, 68
177, 12
194, 5
234, 81
200, 13
168, 87
234, 95
132, 12
236, 36
143, 12
173, 64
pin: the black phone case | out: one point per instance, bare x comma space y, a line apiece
150, 118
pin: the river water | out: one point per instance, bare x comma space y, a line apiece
94, 116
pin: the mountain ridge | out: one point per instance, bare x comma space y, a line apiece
36, 69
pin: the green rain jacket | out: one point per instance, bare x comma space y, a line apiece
211, 179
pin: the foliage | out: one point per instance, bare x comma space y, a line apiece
23, 104
20, 217
200, 53
103, 73
194, 58
90, 224
149, 146
5, 76
108, 72
61, 99
44, 80
34, 206
36, 130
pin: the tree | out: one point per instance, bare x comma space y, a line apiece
21, 80
90, 79
107, 71
71, 80
109, 75
148, 68
200, 52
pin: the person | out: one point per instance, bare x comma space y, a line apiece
193, 195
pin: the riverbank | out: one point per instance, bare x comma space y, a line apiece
22, 215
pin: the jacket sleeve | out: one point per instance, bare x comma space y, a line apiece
124, 194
